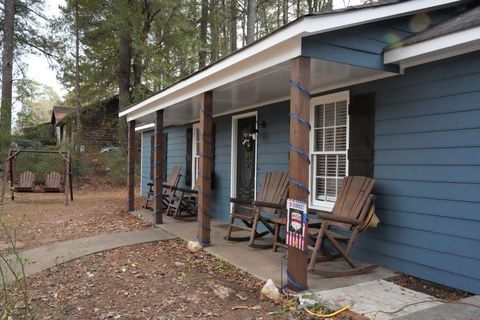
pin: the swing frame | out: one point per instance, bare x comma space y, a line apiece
9, 173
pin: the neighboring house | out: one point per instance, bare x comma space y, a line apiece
396, 96
58, 113
99, 124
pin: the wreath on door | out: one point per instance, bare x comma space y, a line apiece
248, 142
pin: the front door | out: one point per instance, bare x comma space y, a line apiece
246, 157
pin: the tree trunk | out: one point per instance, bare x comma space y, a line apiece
285, 12
77, 81
124, 66
214, 41
251, 17
233, 25
137, 52
310, 6
202, 54
7, 76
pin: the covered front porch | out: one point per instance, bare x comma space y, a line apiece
288, 71
293, 83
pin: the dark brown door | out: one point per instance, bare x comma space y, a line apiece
246, 149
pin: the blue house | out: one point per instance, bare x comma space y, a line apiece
395, 95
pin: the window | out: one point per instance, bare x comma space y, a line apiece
195, 153
328, 148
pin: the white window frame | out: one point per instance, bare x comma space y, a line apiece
325, 99
194, 153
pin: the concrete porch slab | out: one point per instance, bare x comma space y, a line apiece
262, 263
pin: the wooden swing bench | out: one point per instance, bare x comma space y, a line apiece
26, 183
54, 181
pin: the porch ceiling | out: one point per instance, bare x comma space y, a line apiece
264, 87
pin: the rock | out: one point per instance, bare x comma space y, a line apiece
269, 291
194, 246
179, 264
221, 291
108, 315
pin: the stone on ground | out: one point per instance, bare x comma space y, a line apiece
270, 291
194, 246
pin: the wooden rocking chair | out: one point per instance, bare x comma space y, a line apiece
183, 203
26, 182
53, 182
168, 188
271, 199
350, 216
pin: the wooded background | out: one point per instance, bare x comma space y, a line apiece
129, 47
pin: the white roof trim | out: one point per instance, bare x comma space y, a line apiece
145, 127
441, 47
278, 47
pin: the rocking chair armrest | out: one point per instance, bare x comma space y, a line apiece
268, 204
187, 190
240, 201
331, 217
169, 186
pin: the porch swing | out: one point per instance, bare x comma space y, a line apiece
55, 182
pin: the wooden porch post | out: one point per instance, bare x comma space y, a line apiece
298, 166
66, 163
158, 168
132, 142
205, 178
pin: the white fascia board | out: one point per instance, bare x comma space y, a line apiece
280, 46
145, 127
436, 48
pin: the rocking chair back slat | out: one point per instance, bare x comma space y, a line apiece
275, 187
26, 180
174, 177
351, 198
53, 181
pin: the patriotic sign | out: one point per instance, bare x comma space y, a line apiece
296, 222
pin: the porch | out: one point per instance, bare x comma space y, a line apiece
262, 263
394, 128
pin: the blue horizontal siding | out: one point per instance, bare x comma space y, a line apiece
427, 161
443, 104
221, 193
454, 174
146, 157
363, 45
440, 207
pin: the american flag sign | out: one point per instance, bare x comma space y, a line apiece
296, 222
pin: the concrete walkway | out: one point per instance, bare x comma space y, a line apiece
41, 258
465, 309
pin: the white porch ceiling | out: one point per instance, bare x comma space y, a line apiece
264, 87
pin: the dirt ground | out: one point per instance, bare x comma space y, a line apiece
39, 219
430, 288
161, 280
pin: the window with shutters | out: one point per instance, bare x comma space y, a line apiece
195, 153
328, 148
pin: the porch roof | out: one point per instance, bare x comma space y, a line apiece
258, 74
455, 36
